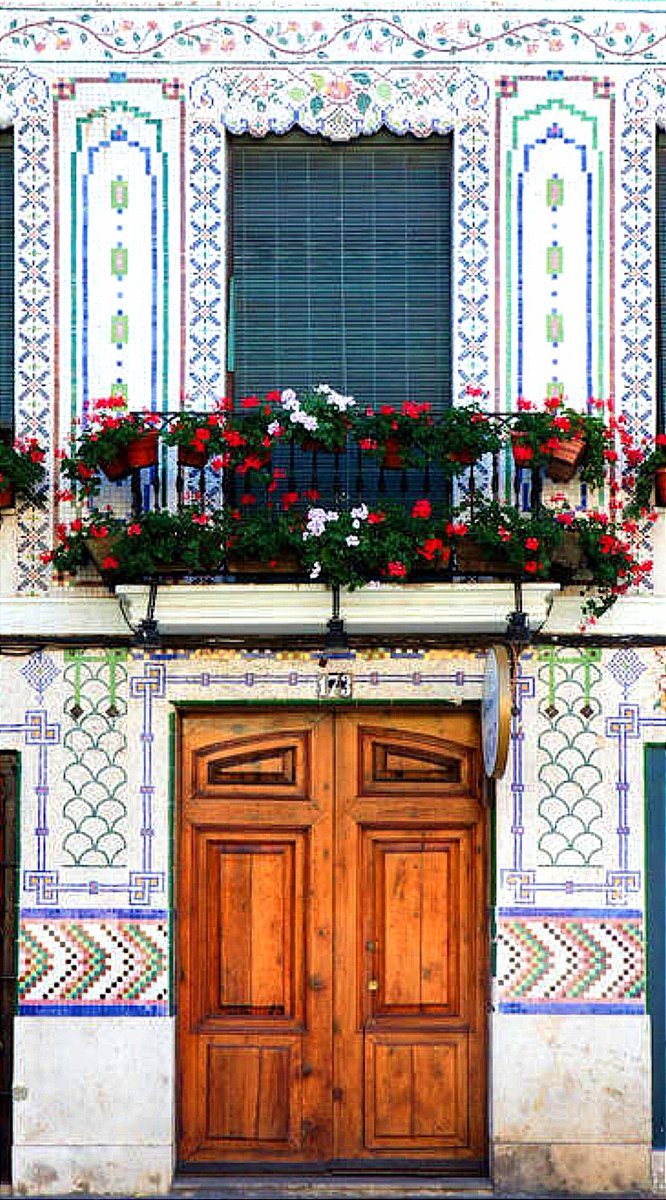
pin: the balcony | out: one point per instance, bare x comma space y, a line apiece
403, 528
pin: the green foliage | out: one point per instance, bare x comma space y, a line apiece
526, 542
646, 469
112, 430
159, 542
463, 435
263, 535
410, 427
320, 415
22, 469
538, 433
201, 432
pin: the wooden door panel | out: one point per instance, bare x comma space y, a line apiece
416, 1092
272, 765
392, 762
253, 1094
416, 923
251, 925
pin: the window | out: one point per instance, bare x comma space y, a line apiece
341, 266
6, 281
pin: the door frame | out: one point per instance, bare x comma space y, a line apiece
181, 710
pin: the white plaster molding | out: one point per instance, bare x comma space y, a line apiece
630, 616
66, 616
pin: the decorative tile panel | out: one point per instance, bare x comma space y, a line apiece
26, 96
578, 961
117, 965
120, 179
570, 766
554, 265
94, 778
418, 36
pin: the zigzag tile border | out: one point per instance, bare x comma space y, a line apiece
576, 960
86, 965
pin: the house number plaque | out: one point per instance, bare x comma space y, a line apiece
334, 685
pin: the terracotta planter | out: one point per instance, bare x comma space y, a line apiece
6, 496
565, 460
101, 548
143, 451
433, 567
189, 456
284, 565
117, 467
660, 486
393, 458
473, 559
568, 561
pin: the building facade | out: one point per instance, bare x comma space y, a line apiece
137, 772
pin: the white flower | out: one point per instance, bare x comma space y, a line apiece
288, 398
361, 513
315, 523
274, 428
316, 571
306, 420
342, 403
352, 540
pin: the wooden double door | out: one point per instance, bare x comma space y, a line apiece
331, 934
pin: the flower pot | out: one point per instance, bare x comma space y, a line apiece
393, 458
6, 496
101, 548
117, 467
565, 459
473, 559
189, 456
286, 564
660, 486
142, 452
568, 561
439, 565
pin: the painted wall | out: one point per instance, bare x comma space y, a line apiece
119, 119
92, 729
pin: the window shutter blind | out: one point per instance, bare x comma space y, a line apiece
7, 280
342, 266
661, 280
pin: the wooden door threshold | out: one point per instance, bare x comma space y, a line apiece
331, 1186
